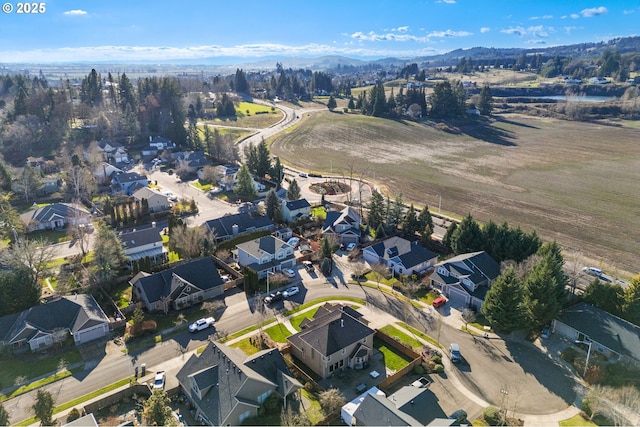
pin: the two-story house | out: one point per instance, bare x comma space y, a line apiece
104, 171
344, 224
293, 210
466, 278
179, 286
400, 255
156, 201
161, 143
128, 182
191, 161
113, 151
226, 176
266, 254
336, 338
229, 226
226, 386
144, 243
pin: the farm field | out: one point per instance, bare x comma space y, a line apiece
250, 115
573, 182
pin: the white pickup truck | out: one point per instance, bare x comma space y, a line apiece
200, 324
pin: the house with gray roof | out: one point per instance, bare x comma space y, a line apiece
266, 254
143, 243
180, 286
191, 161
293, 210
128, 182
409, 406
226, 176
229, 226
345, 225
156, 201
113, 151
400, 255
336, 338
55, 216
466, 278
42, 326
226, 386
610, 335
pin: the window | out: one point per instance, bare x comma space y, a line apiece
264, 396
341, 364
243, 416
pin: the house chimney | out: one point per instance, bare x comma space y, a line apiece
153, 224
234, 229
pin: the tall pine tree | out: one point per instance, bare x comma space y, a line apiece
504, 305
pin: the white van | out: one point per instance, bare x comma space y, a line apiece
593, 271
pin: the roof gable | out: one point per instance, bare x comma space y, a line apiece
223, 226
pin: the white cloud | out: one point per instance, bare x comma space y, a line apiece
575, 16
485, 29
628, 12
372, 36
402, 29
447, 1
449, 33
536, 31
536, 42
594, 11
75, 12
571, 28
535, 18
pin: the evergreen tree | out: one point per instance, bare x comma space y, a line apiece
425, 219
263, 162
43, 407
631, 305
552, 254
91, 89
244, 188
485, 103
410, 223
251, 158
609, 297
447, 240
351, 105
504, 305
376, 216
4, 416
293, 192
240, 81
277, 172
273, 207
467, 237
395, 214
542, 302
158, 409
126, 94
447, 100
331, 103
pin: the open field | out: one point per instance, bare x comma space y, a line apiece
571, 181
264, 118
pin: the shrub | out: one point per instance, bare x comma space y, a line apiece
491, 415
74, 414
438, 369
436, 359
418, 369
586, 408
569, 354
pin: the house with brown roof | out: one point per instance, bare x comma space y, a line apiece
226, 386
335, 338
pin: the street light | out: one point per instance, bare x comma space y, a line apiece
586, 363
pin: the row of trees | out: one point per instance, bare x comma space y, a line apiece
385, 217
528, 295
613, 298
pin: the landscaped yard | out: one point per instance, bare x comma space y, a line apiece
401, 336
201, 185
295, 321
420, 334
51, 236
393, 360
319, 212
314, 412
246, 346
576, 421
278, 332
427, 296
378, 278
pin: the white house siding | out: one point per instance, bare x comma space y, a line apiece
91, 334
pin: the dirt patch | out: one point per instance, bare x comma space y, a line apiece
330, 188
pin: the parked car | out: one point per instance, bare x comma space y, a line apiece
225, 278
454, 353
421, 382
439, 302
158, 382
351, 246
592, 271
273, 297
289, 272
201, 324
289, 292
308, 266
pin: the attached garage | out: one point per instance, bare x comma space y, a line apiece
91, 333
457, 297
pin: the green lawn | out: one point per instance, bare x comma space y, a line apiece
377, 278
576, 421
427, 296
314, 412
201, 185
319, 300
401, 336
295, 321
246, 346
51, 236
239, 333
278, 332
319, 212
392, 359
420, 334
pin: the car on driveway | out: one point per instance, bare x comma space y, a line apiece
273, 297
158, 382
289, 292
201, 324
308, 266
350, 247
289, 272
439, 302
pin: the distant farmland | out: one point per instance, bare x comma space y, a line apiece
578, 183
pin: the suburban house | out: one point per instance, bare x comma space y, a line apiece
409, 406
191, 161
144, 243
226, 176
610, 335
226, 386
128, 182
161, 143
36, 163
178, 287
293, 210
49, 185
55, 216
335, 338
344, 224
103, 172
466, 278
400, 255
156, 201
266, 254
113, 151
229, 226
44, 325
283, 233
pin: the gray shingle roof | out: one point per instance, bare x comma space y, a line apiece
266, 244
331, 332
409, 406
475, 266
348, 216
200, 272
223, 226
410, 254
611, 331
54, 211
293, 205
136, 238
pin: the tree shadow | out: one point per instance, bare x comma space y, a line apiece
512, 122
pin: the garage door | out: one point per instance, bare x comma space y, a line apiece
87, 335
457, 298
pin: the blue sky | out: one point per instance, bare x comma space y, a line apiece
159, 30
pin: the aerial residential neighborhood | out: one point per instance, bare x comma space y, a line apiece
380, 227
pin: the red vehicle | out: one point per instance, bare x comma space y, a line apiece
438, 302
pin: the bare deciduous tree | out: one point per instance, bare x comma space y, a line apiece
331, 400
